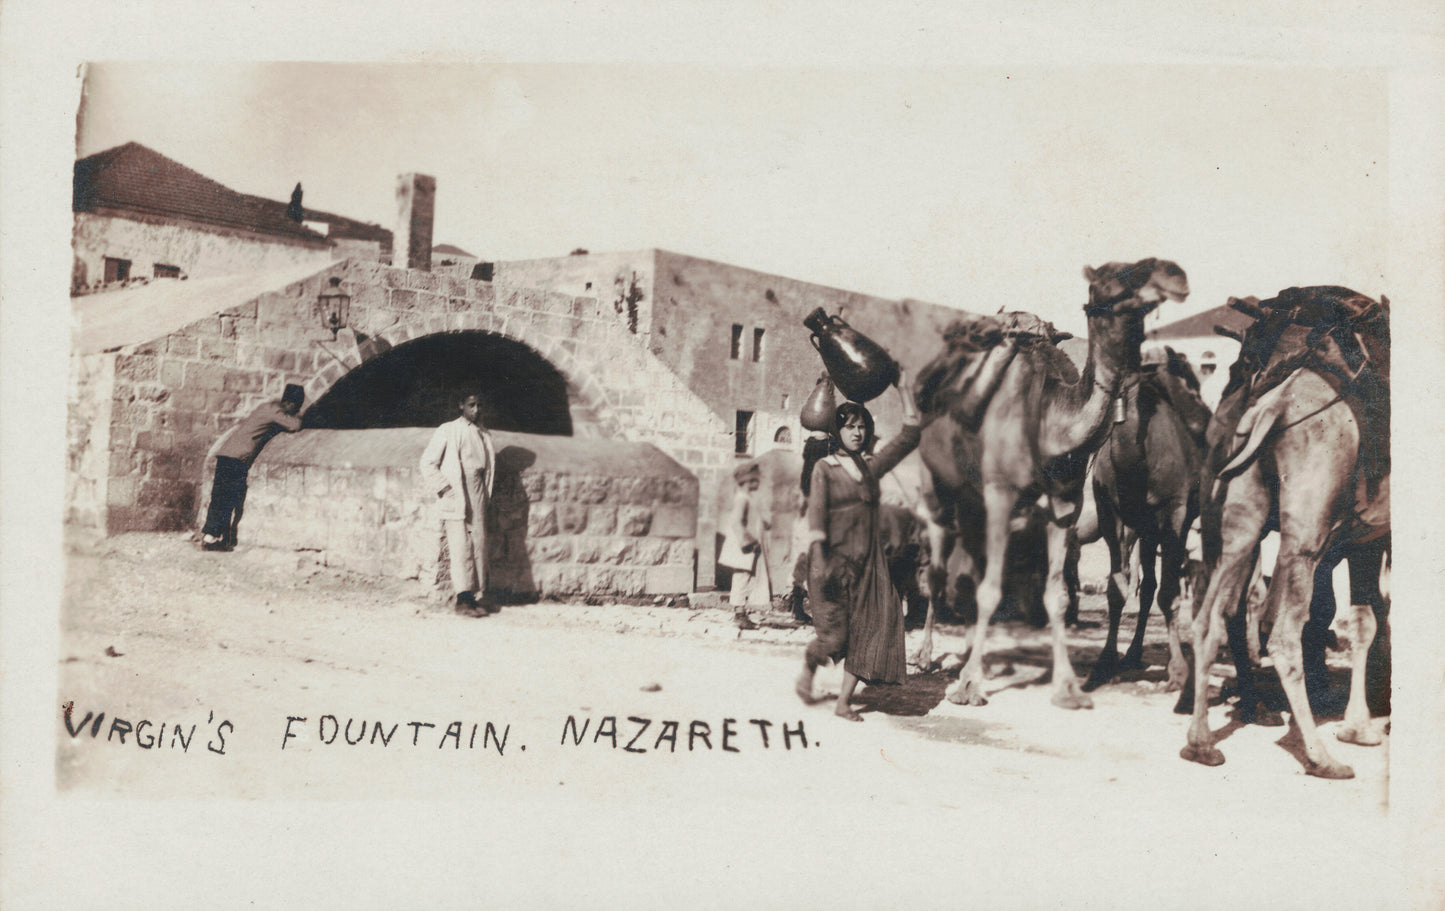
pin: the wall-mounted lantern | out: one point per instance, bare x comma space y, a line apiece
334, 306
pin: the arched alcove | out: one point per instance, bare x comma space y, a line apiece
417, 384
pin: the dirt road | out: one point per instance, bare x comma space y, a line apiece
569, 742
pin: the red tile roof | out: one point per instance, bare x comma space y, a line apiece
140, 180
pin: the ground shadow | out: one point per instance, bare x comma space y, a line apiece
918, 694
507, 522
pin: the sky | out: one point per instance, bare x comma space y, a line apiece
975, 187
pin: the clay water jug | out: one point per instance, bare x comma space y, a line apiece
859, 366
821, 408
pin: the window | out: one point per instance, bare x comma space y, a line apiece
737, 349
757, 345
744, 430
784, 436
160, 270
116, 270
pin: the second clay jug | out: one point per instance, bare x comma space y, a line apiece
821, 409
859, 366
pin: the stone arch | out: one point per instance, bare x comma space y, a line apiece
403, 346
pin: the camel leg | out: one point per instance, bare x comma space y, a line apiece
1254, 612
1357, 728
1148, 585
1289, 597
1174, 557
1068, 694
1245, 512
939, 545
1305, 518
1119, 539
998, 504
1365, 564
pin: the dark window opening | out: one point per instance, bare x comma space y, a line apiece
417, 384
757, 345
744, 430
116, 270
737, 349
784, 435
164, 271
1206, 369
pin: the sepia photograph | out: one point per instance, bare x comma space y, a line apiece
528, 476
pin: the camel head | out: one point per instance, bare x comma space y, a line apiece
1118, 289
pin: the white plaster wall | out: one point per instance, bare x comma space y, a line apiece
199, 253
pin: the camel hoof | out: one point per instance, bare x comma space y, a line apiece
1335, 771
1360, 735
1131, 662
967, 694
922, 661
1072, 700
1204, 755
1184, 705
1095, 681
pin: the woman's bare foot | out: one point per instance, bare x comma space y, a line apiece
804, 688
843, 711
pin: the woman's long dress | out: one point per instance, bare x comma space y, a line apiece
843, 509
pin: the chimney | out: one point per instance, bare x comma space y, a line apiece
415, 201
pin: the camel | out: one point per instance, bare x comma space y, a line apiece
1313, 387
1146, 491
1035, 436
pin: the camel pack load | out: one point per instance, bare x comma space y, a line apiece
977, 351
1342, 336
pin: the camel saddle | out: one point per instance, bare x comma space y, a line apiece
983, 346
1344, 337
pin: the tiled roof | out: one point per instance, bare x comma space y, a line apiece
1202, 324
137, 179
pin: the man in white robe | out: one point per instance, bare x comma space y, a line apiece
459, 465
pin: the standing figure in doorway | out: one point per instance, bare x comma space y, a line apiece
857, 614
742, 549
237, 450
459, 465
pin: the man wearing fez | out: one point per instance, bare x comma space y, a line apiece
459, 466
237, 450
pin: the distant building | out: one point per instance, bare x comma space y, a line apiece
448, 255
141, 215
1209, 353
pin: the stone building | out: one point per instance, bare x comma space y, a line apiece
138, 214
624, 389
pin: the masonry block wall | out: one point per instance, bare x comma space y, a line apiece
199, 252
567, 516
171, 398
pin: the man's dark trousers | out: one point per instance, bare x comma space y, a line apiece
228, 495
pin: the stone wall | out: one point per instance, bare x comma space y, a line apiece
622, 283
199, 252
567, 516
172, 397
88, 453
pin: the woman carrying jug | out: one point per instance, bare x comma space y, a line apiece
857, 615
